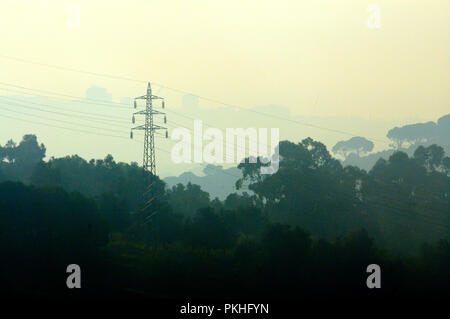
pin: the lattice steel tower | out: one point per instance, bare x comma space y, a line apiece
149, 128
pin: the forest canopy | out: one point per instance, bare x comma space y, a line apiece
314, 218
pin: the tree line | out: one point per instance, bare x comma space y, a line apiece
310, 229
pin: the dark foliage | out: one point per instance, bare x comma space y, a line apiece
309, 230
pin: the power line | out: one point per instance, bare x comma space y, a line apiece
172, 111
79, 99
393, 209
95, 116
91, 113
85, 117
186, 92
70, 69
108, 135
61, 127
52, 106
180, 114
149, 127
393, 199
62, 121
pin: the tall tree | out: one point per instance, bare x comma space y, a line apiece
356, 145
186, 200
29, 152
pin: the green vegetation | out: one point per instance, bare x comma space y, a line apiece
309, 230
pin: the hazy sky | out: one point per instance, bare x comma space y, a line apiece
249, 53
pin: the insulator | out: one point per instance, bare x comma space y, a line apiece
165, 119
167, 134
135, 104
131, 134
133, 119
163, 104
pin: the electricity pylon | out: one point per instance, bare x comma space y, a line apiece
149, 128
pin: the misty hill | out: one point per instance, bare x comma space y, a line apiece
407, 138
394, 201
217, 181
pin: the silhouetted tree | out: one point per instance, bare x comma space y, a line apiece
413, 133
356, 145
310, 189
9, 151
308, 230
44, 174
209, 229
43, 230
186, 200
429, 157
